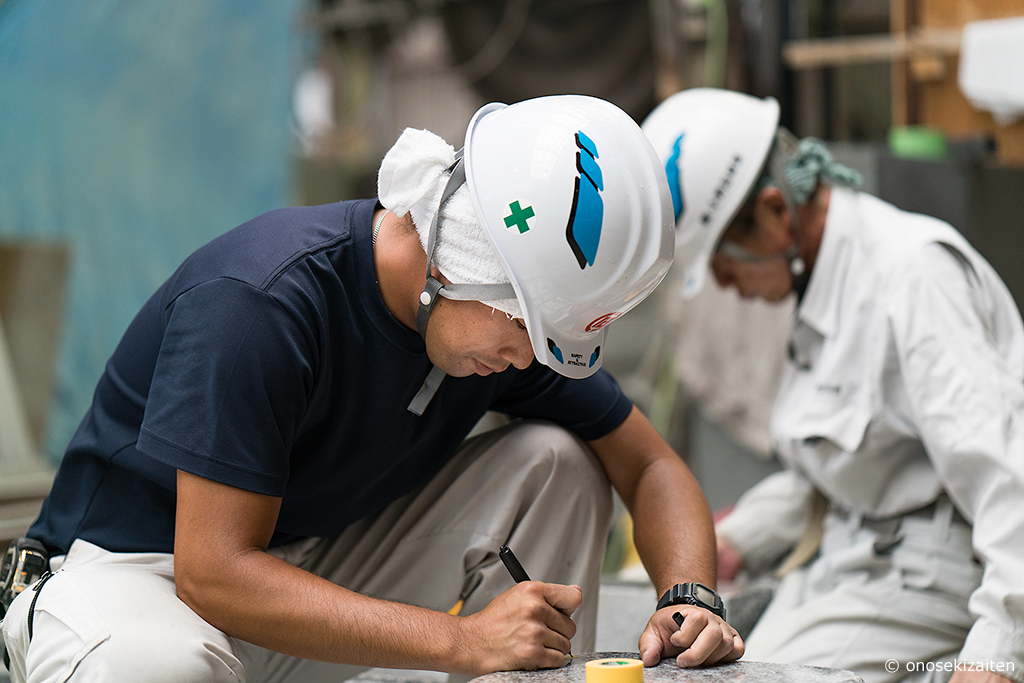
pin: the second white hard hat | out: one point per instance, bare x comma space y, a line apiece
714, 144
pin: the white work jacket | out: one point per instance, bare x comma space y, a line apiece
906, 379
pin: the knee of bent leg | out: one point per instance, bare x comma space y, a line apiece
159, 656
151, 654
565, 462
103, 619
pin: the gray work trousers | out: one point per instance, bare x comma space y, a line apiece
115, 616
878, 605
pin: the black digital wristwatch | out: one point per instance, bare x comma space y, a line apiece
693, 594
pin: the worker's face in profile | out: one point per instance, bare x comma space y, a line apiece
763, 236
469, 337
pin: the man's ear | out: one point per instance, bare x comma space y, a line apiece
770, 210
770, 199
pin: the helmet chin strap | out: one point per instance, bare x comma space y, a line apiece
434, 289
428, 297
459, 291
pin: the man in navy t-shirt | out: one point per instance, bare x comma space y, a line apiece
273, 481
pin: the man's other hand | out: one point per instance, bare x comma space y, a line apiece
703, 639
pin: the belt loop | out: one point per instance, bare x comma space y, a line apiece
890, 535
942, 520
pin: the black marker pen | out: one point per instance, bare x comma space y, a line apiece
512, 564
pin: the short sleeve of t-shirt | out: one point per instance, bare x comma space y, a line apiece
230, 386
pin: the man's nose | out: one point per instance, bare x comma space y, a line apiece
519, 354
723, 275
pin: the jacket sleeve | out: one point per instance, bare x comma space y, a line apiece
959, 346
768, 520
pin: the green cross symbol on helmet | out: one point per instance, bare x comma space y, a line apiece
518, 217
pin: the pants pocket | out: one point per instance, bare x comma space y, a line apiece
931, 571
949, 568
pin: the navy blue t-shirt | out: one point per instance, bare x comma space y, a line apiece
269, 362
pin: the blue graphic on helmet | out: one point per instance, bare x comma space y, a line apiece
674, 181
587, 214
595, 355
555, 351
587, 163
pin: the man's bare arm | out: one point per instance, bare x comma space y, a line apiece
223, 572
674, 536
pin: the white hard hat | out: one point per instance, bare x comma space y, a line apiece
714, 144
577, 206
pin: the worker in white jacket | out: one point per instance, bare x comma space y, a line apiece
902, 406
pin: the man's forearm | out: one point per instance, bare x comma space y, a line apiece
674, 535
266, 601
672, 526
223, 572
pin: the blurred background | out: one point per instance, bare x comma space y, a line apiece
133, 132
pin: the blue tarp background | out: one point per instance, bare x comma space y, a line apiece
136, 131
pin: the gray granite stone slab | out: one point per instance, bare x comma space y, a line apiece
669, 672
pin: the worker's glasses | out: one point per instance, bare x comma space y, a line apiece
732, 250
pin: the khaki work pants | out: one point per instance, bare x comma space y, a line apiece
115, 616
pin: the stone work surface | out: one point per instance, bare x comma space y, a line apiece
668, 672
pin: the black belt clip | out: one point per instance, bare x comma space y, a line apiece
26, 562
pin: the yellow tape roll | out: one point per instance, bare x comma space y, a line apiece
615, 671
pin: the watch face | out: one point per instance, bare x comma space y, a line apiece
705, 595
